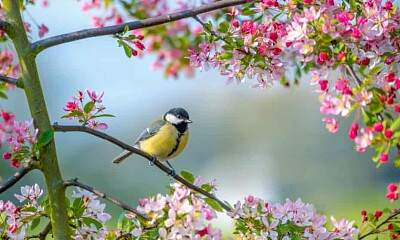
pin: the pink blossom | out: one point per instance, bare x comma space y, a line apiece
43, 29
331, 124
364, 140
93, 95
364, 97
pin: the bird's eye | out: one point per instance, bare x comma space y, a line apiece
178, 116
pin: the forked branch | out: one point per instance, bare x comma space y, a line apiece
162, 167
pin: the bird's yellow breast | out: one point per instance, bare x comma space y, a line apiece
166, 144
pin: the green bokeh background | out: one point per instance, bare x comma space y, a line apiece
268, 143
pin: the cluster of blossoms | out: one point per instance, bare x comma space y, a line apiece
393, 192
86, 113
89, 216
21, 138
256, 219
388, 226
181, 215
15, 221
354, 67
158, 39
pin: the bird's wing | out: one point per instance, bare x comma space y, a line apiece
150, 131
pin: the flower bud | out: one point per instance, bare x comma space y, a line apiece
378, 127
388, 133
7, 156
384, 158
377, 214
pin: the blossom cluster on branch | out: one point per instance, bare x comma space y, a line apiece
86, 113
22, 139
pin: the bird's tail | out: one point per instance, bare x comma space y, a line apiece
121, 157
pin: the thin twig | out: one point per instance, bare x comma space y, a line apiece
94, 32
391, 216
74, 182
17, 82
356, 80
162, 167
43, 234
123, 236
15, 178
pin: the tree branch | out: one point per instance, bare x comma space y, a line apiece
356, 80
42, 235
162, 167
5, 26
74, 182
95, 32
15, 178
391, 216
13, 81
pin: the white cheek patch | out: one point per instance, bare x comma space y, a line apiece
173, 119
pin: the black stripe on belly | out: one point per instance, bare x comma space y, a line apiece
178, 141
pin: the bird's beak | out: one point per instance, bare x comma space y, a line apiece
188, 121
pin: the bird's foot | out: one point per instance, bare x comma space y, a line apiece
153, 161
172, 173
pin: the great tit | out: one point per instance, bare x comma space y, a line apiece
165, 138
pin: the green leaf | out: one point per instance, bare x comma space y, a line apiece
223, 27
395, 124
35, 223
375, 70
378, 151
248, 12
3, 95
225, 56
88, 107
78, 207
188, 176
127, 49
103, 115
206, 187
88, 221
214, 204
74, 113
397, 161
369, 118
353, 5
45, 138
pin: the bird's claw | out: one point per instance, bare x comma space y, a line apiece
172, 173
153, 161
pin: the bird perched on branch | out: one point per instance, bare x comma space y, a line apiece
165, 138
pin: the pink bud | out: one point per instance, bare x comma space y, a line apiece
392, 187
341, 55
235, 23
7, 156
139, 45
352, 134
378, 127
354, 126
140, 37
377, 214
396, 108
388, 133
6, 116
134, 52
365, 61
323, 56
384, 158
363, 213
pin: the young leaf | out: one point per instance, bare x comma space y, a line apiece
35, 223
103, 115
45, 138
88, 107
188, 176
213, 204
127, 49
88, 221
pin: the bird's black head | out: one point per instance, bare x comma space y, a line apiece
178, 117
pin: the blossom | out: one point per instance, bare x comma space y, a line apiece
363, 141
43, 29
30, 193
93, 95
331, 124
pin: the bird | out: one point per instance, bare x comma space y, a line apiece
165, 139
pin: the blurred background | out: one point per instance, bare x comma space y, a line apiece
268, 143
